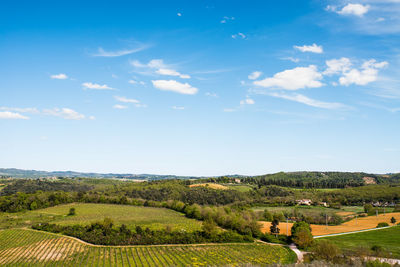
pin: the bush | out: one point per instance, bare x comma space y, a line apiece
382, 224
71, 212
377, 263
326, 250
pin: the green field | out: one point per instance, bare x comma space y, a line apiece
154, 218
30, 248
131, 216
240, 188
388, 238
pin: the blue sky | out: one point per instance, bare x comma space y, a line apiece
200, 87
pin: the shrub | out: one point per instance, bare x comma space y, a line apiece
326, 250
393, 220
71, 212
382, 224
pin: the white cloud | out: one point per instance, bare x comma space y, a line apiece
239, 35
102, 53
175, 86
254, 75
178, 108
126, 100
179, 14
12, 115
336, 66
293, 79
95, 86
354, 9
308, 101
161, 68
247, 101
60, 76
117, 106
22, 110
367, 74
314, 48
65, 113
170, 72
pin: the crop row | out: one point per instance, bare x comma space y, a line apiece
29, 248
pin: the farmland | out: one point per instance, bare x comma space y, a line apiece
361, 223
154, 218
387, 238
18, 246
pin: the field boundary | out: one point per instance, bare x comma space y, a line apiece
354, 232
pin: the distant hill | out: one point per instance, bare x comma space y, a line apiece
19, 173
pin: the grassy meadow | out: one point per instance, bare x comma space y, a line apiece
388, 238
131, 216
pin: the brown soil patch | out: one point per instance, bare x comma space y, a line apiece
362, 223
345, 213
369, 180
210, 185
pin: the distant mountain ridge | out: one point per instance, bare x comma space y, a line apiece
19, 173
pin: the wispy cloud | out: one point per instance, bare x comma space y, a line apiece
254, 75
60, 76
226, 19
157, 66
247, 101
21, 110
178, 108
117, 106
65, 113
239, 35
124, 99
96, 86
308, 101
103, 53
12, 116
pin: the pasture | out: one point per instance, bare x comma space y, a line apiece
388, 238
131, 216
361, 223
32, 248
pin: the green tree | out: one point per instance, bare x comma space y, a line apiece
393, 220
301, 234
274, 227
267, 215
368, 208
